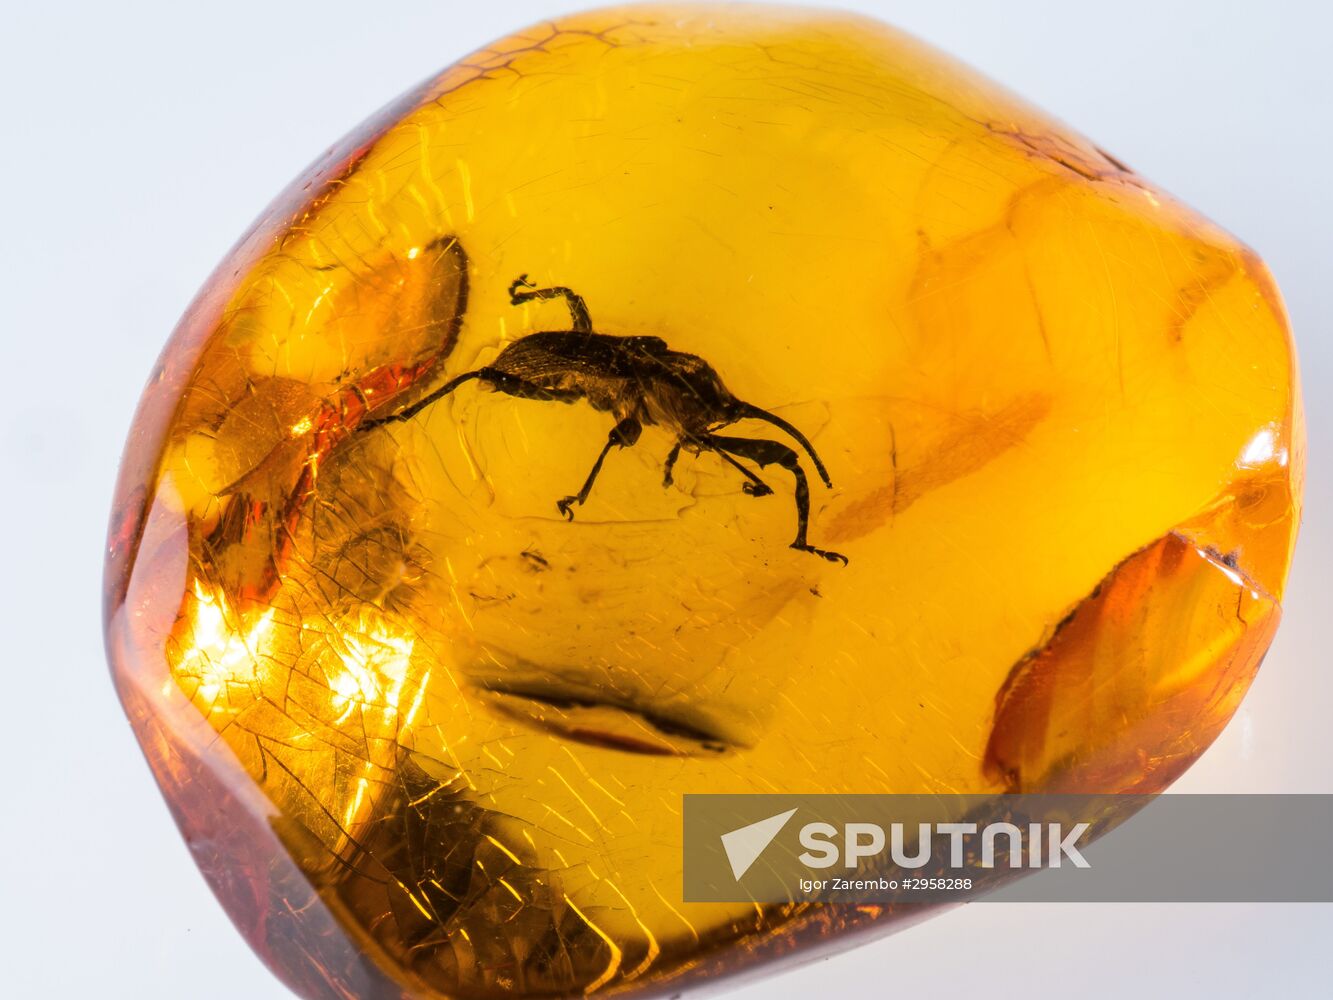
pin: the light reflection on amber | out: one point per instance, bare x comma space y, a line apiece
215, 653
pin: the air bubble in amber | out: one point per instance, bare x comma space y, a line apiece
675, 400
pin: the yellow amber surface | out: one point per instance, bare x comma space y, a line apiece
428, 736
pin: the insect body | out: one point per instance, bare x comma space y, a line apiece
638, 380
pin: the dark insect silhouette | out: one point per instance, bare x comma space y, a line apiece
639, 380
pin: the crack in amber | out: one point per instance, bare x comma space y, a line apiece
427, 738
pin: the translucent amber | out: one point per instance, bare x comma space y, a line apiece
426, 719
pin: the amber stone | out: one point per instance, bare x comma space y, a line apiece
425, 715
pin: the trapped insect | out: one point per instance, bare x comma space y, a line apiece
639, 380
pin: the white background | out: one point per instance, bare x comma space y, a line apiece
139, 140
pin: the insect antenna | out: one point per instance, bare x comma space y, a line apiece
745, 410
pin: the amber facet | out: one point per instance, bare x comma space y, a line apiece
427, 729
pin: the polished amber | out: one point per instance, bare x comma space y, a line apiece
428, 737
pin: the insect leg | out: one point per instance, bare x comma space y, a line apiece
578, 309
670, 465
411, 411
763, 452
512, 385
504, 382
623, 434
754, 486
749, 411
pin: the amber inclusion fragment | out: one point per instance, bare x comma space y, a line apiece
425, 710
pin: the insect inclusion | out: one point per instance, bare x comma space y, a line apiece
640, 381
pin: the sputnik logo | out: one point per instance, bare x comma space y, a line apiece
744, 845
